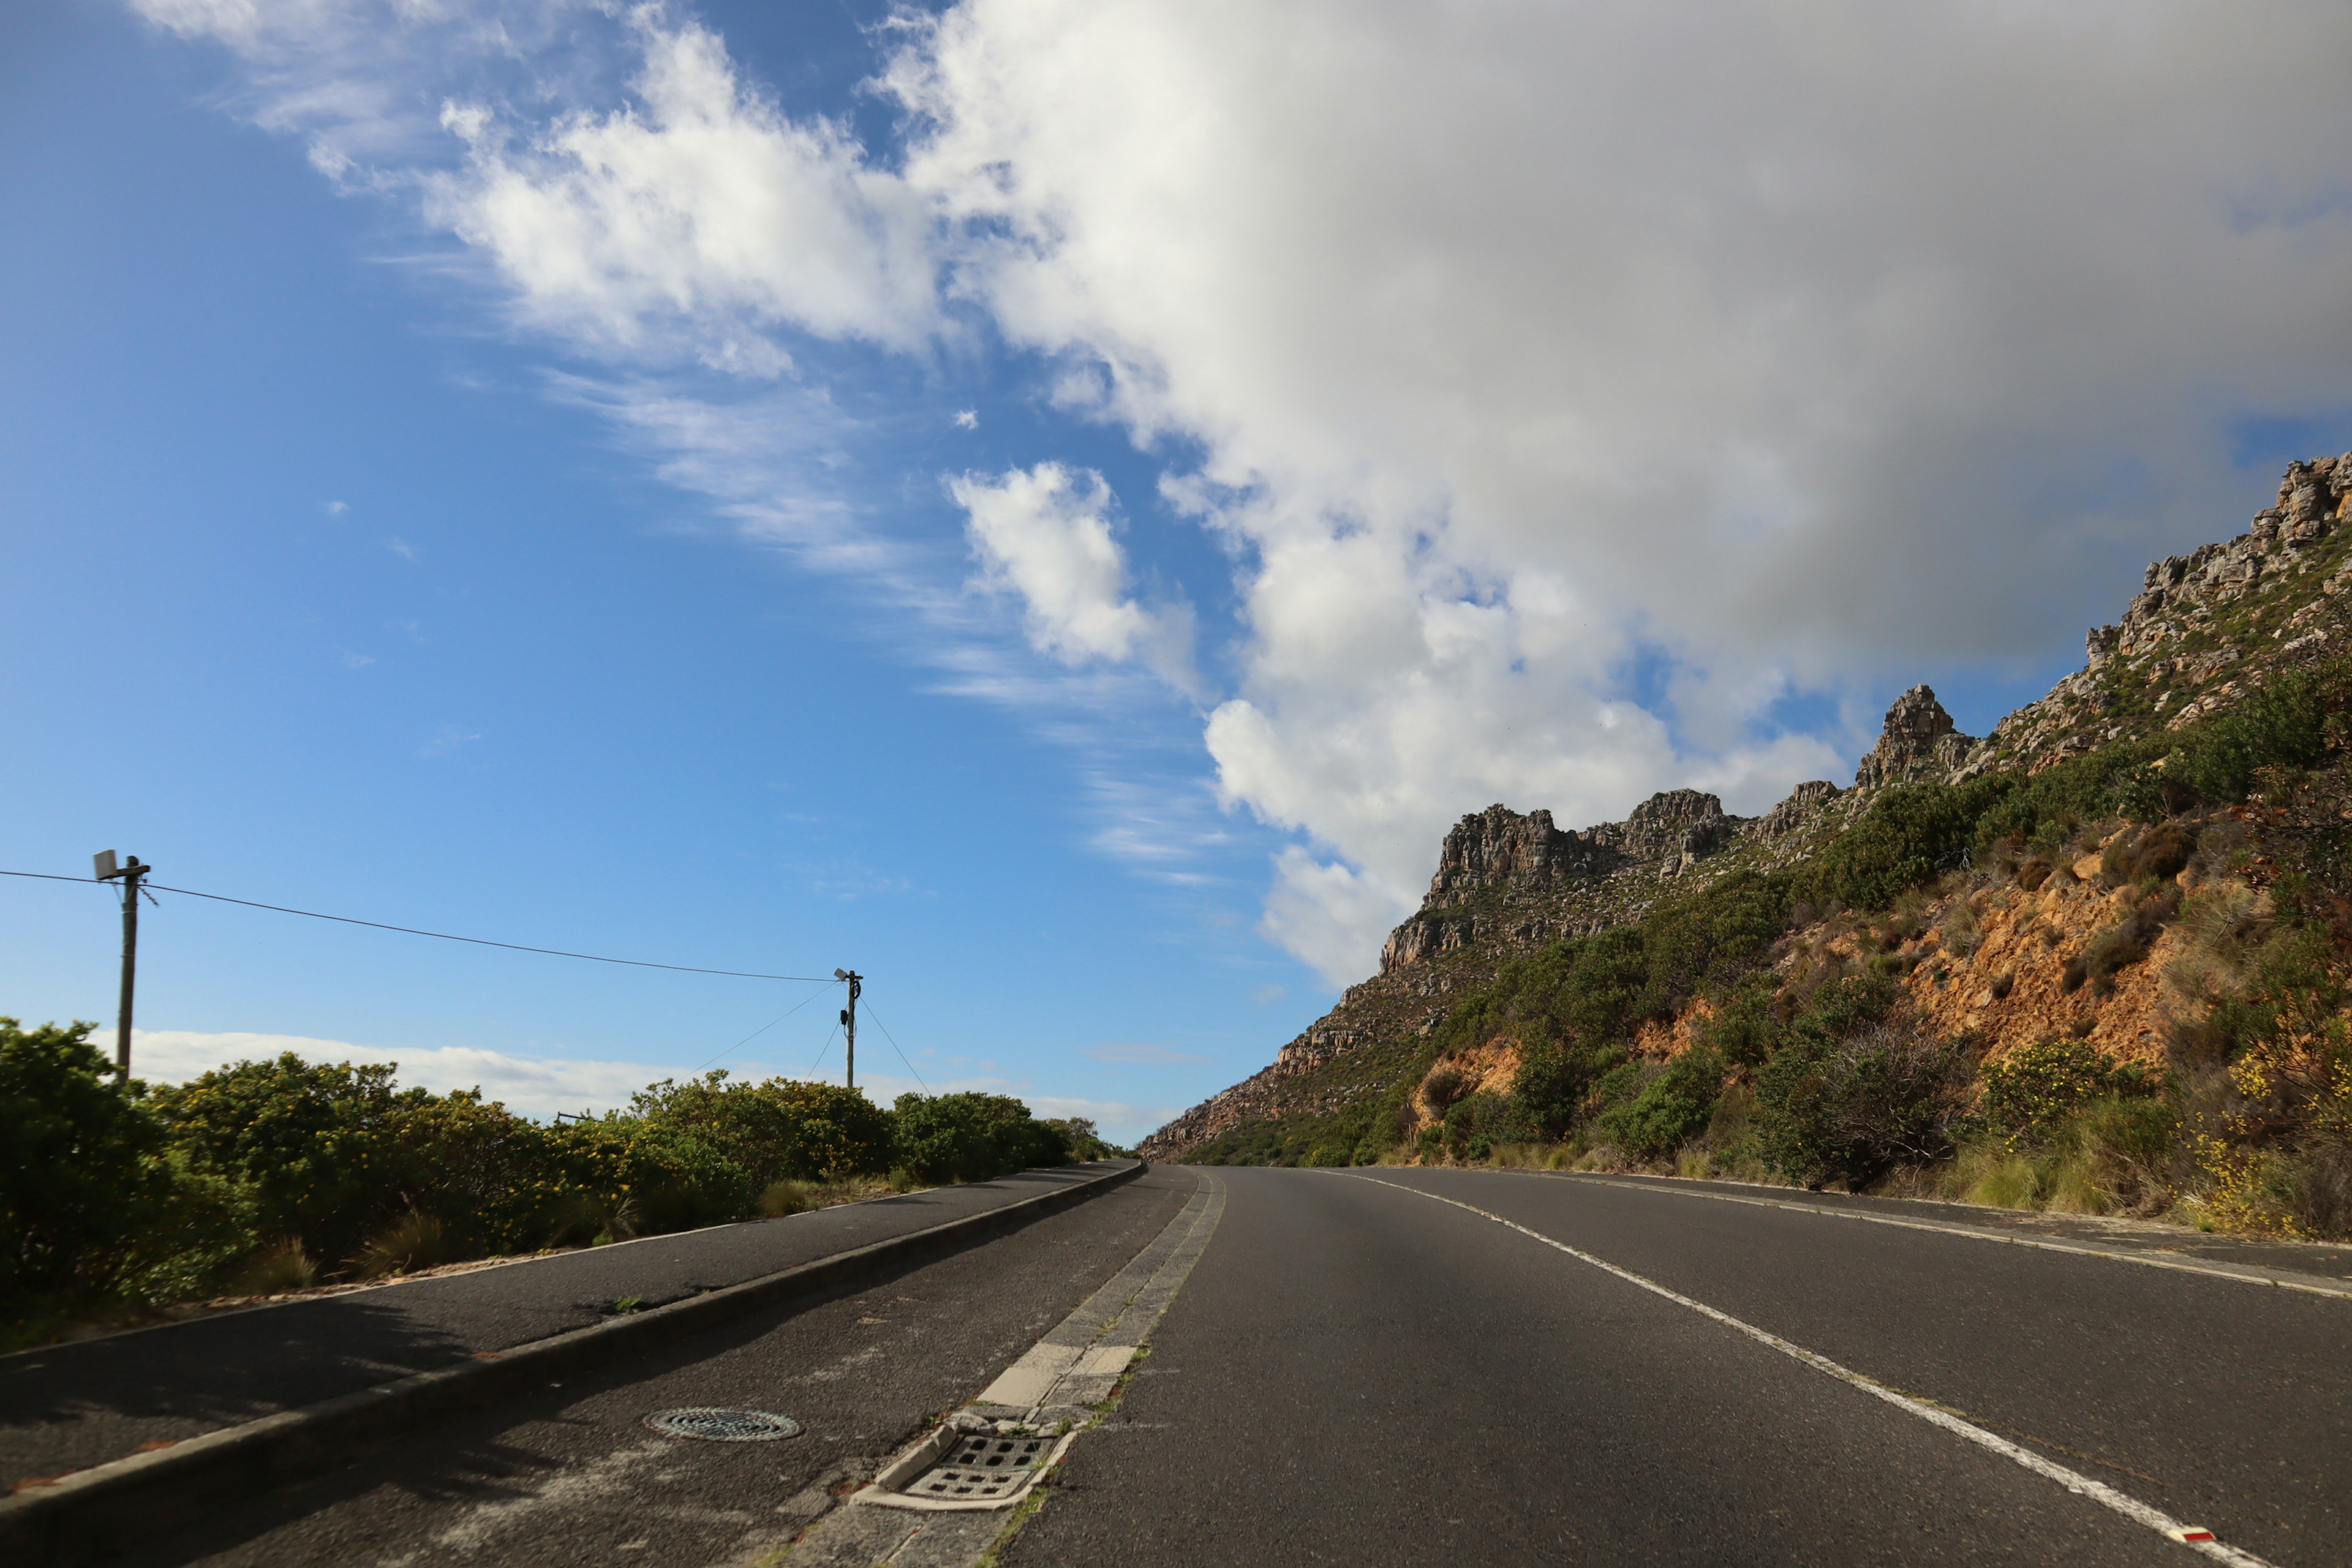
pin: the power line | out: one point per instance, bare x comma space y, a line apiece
765, 1027
445, 936
894, 1044
822, 1049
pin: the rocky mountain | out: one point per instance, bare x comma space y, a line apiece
2206, 629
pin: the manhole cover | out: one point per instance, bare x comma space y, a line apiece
979, 1467
713, 1426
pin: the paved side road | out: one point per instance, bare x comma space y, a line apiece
569, 1475
1357, 1373
67, 1407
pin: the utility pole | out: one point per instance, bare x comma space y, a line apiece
129, 876
849, 1019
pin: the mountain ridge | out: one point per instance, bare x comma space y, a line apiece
2206, 630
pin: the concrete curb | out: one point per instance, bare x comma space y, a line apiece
99, 1510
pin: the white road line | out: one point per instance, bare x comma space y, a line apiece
2131, 1508
2244, 1276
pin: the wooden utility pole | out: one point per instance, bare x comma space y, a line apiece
850, 1021
128, 875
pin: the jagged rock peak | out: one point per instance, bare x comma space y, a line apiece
1918, 742
1673, 822
1497, 846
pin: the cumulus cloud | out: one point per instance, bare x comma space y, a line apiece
697, 206
1046, 534
1766, 345
1567, 384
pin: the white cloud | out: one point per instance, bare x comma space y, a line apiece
699, 206
1510, 350
336, 509
533, 1085
967, 419
1324, 912
542, 1085
1046, 534
1526, 344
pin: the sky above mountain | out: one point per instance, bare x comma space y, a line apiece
1057, 505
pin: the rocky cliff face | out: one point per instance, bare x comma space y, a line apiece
1918, 742
2206, 628
1507, 883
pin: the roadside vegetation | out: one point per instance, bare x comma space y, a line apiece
1771, 1026
273, 1176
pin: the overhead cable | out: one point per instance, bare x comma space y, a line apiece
894, 1044
445, 936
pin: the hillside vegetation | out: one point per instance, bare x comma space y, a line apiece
2097, 962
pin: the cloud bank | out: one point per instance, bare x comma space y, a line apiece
1566, 386
542, 1085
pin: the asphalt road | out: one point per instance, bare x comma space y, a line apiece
67, 1407
1355, 1374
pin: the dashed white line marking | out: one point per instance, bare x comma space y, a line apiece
2129, 1507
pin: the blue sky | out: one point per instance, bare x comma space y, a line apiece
1062, 531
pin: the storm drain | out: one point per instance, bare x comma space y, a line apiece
983, 1468
715, 1426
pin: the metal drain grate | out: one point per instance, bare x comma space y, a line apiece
979, 1468
715, 1426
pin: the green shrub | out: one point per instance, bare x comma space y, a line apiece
94, 1208
1084, 1143
973, 1137
2280, 724
2036, 1087
1852, 1106
318, 1145
1912, 833
1746, 1027
1546, 1091
1673, 1107
1476, 1123
784, 1129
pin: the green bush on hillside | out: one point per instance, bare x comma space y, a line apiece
1672, 1106
94, 1204
2037, 1088
1854, 1089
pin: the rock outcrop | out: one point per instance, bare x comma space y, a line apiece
1918, 742
2205, 628
1803, 805
1497, 849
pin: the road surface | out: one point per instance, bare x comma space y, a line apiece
1362, 1370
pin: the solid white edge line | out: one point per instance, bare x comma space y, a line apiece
2130, 1507
1937, 1228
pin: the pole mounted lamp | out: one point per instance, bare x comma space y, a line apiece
129, 873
